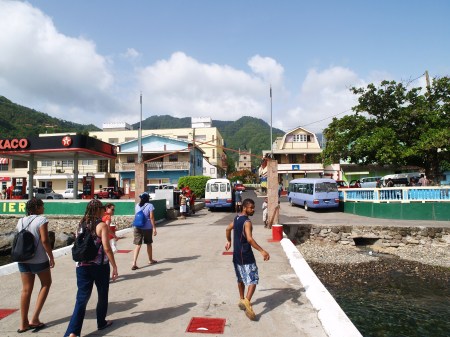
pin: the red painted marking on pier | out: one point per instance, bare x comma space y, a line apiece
6, 312
123, 251
227, 253
206, 325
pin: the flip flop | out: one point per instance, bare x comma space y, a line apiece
25, 330
38, 327
107, 325
153, 262
134, 267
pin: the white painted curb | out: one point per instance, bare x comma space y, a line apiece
334, 320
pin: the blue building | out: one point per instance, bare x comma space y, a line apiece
167, 159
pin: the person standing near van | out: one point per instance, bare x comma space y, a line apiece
39, 265
423, 181
243, 259
146, 233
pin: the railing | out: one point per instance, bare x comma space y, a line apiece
396, 194
155, 166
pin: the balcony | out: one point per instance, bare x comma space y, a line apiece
156, 166
300, 167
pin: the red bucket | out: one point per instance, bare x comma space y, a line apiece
277, 232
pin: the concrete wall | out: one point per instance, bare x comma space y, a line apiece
78, 207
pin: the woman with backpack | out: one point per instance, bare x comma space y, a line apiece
96, 270
39, 265
146, 232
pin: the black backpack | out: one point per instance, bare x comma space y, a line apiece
84, 248
23, 247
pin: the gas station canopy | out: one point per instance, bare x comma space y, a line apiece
56, 148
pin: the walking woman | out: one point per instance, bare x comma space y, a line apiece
39, 265
145, 233
95, 271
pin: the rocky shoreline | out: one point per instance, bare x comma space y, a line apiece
334, 253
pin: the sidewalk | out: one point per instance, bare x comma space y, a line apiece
192, 279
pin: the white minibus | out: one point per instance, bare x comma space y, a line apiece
313, 193
218, 194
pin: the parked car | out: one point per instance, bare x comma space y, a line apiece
342, 184
108, 193
68, 194
239, 187
369, 182
46, 193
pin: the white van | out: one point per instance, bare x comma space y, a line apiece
151, 188
218, 194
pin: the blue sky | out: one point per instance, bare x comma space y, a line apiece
88, 61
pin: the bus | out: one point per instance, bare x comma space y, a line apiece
218, 194
313, 193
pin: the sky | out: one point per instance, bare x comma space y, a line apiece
88, 61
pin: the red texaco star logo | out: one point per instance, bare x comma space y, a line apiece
66, 141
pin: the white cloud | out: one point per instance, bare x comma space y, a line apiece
181, 86
131, 53
42, 66
323, 94
67, 78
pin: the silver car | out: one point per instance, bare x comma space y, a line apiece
46, 193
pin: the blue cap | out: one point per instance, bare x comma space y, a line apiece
144, 195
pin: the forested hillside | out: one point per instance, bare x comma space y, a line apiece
247, 133
20, 121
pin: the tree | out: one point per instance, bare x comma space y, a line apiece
394, 126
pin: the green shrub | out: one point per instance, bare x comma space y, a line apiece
196, 183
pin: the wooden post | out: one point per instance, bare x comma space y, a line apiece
272, 191
140, 176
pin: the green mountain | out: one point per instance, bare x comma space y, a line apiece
20, 121
247, 133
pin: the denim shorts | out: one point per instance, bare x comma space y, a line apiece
247, 273
34, 268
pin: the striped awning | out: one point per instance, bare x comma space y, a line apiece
4, 160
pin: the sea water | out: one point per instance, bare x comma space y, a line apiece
391, 297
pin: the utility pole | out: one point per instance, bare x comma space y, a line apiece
271, 141
139, 159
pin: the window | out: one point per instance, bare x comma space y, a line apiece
46, 163
87, 162
113, 140
19, 164
69, 183
67, 163
212, 170
200, 138
3, 167
173, 157
213, 153
130, 159
102, 166
301, 138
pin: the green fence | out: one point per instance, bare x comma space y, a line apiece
434, 211
78, 207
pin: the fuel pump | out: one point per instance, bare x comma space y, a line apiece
88, 187
19, 188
